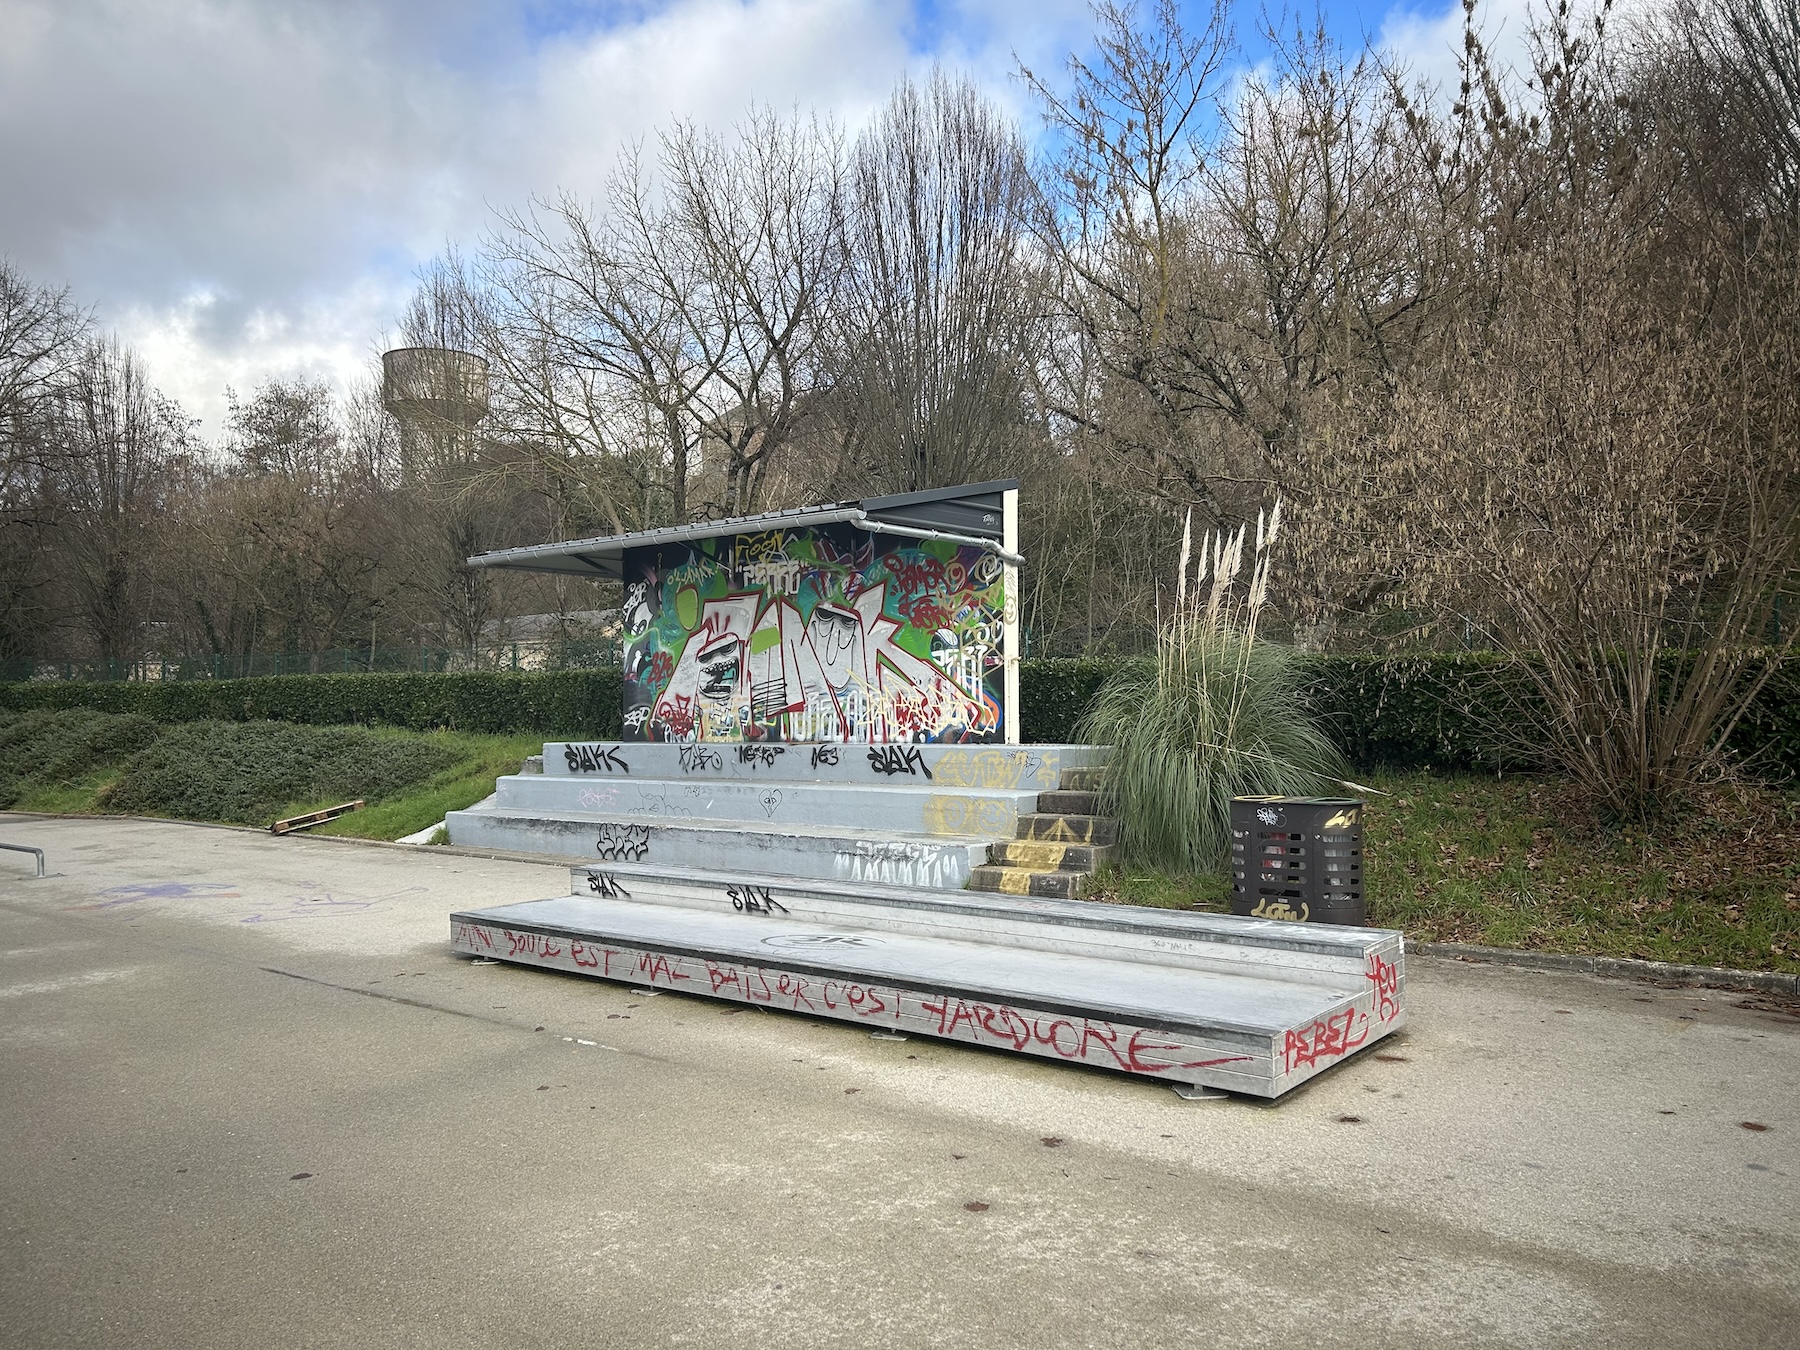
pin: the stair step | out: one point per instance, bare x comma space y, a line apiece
1069, 803
1085, 779
1025, 881
1023, 768
843, 853
1248, 1005
905, 807
1047, 855
1076, 829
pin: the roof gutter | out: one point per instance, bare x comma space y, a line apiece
863, 522
521, 558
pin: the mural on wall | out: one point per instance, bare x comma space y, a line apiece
824, 633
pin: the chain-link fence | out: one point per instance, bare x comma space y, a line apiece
573, 654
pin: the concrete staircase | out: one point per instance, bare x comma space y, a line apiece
914, 815
1059, 847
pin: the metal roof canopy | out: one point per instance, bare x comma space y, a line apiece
969, 514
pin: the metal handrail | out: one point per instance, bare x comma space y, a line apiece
26, 848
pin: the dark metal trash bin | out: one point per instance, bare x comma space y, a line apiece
1298, 858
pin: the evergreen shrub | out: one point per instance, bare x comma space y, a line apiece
245, 772
50, 747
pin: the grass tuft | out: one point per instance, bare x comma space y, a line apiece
1219, 713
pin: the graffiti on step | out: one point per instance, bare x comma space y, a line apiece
759, 756
747, 899
901, 863
622, 843
594, 759
888, 760
1274, 907
1323, 1040
824, 754
607, 886
700, 759
988, 768
1069, 1037
822, 634
971, 815
1384, 981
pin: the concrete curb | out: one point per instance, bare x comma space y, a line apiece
1613, 967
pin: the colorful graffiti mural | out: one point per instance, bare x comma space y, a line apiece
818, 634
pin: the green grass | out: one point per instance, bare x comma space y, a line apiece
1521, 862
457, 788
1209, 891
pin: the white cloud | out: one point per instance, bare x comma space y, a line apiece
246, 189
1430, 44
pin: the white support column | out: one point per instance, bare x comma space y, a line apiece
1009, 642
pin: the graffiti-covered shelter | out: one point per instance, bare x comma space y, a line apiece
890, 619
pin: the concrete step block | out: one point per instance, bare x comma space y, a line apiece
1045, 855
1085, 779
1069, 829
837, 852
1062, 803
1333, 956
1008, 880
903, 809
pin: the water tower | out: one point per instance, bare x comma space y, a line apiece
438, 395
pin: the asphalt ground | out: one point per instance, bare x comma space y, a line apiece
248, 1098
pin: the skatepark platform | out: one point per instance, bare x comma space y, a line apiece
829, 881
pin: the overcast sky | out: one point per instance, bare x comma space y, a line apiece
247, 188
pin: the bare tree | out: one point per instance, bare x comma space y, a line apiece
669, 338
937, 317
42, 336
1600, 470
1115, 219
116, 435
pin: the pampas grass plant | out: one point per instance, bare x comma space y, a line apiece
1218, 713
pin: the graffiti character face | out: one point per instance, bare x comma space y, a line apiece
721, 666
636, 612
833, 631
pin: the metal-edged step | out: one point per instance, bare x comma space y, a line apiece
1253, 1029
837, 852
1333, 955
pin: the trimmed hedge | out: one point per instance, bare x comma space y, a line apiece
1056, 695
1412, 712
1446, 711
1431, 711
560, 702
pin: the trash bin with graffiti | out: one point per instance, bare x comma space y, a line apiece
1298, 859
